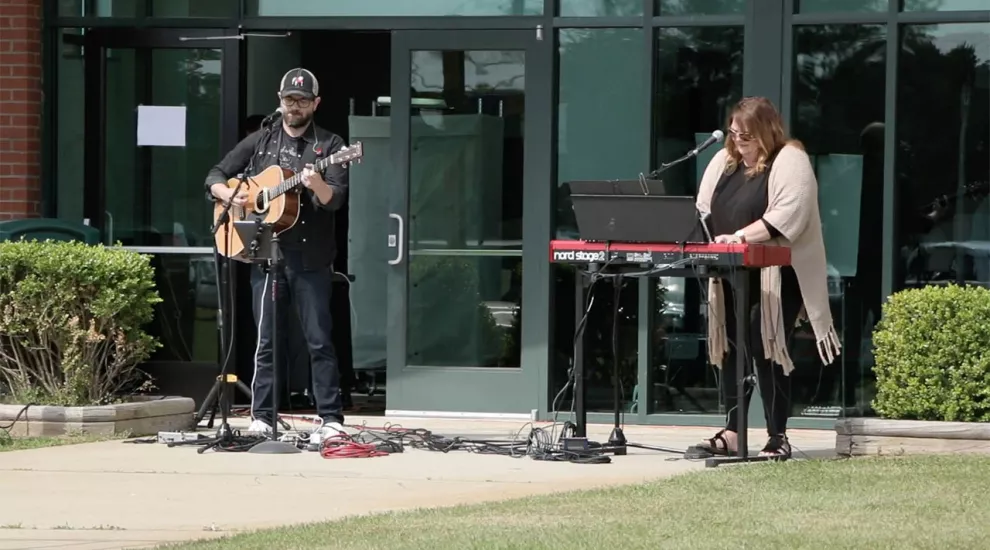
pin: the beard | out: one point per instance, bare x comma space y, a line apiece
295, 119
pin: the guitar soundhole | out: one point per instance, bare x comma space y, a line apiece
261, 201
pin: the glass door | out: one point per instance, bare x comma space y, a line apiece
161, 109
467, 113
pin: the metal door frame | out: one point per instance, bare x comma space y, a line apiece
95, 42
408, 391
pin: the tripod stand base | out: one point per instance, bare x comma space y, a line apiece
212, 401
716, 461
617, 442
274, 448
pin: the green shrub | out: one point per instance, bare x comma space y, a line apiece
932, 349
449, 322
71, 319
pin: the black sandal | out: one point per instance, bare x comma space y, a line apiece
777, 448
711, 449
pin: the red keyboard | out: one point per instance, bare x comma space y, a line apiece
716, 255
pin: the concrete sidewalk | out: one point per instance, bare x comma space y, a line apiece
124, 495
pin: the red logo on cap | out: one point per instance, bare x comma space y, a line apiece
297, 81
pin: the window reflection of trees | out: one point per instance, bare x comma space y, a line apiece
699, 78
433, 71
943, 122
942, 218
838, 94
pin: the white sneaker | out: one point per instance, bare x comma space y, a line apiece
328, 430
260, 427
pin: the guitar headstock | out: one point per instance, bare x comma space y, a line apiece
350, 153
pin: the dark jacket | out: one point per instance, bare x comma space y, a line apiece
313, 235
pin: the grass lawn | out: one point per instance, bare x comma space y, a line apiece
8, 443
926, 502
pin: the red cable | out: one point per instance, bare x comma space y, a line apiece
342, 446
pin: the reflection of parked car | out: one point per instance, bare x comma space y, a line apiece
834, 283
502, 312
673, 297
202, 276
947, 261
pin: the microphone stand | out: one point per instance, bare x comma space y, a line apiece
617, 442
716, 137
219, 396
668, 165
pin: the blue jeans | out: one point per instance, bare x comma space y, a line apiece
309, 291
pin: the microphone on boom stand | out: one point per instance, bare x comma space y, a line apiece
270, 119
716, 137
617, 442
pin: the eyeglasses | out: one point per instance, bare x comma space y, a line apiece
301, 101
740, 136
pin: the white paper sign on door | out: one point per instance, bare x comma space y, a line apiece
161, 126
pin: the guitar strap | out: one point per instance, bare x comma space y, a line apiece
309, 154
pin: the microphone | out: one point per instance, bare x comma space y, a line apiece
272, 117
716, 137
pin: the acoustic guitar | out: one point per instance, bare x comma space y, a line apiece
273, 197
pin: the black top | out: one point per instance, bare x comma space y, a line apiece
739, 201
313, 233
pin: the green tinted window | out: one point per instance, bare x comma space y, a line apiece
392, 7
837, 111
606, 8
699, 7
946, 5
820, 6
589, 144
147, 8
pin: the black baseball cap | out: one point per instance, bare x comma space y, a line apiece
299, 82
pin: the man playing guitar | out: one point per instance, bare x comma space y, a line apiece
308, 247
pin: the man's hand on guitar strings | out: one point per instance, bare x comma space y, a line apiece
311, 179
240, 199
314, 181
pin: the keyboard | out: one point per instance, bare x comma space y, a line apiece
714, 255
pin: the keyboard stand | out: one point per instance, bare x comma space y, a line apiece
740, 291
740, 285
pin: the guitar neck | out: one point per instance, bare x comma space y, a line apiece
291, 183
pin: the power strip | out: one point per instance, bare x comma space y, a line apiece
574, 444
179, 437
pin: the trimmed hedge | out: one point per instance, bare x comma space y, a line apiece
932, 349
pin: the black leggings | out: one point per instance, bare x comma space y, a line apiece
775, 388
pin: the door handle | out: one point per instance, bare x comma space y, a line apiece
109, 227
395, 240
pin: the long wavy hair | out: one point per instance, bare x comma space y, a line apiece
757, 117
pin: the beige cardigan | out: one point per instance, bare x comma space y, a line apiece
792, 208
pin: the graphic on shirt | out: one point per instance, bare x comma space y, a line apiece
289, 157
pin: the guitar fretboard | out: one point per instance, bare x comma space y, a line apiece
295, 180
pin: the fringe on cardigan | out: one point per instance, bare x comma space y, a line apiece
772, 329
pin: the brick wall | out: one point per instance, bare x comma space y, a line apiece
20, 108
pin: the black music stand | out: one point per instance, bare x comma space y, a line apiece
623, 211
631, 211
264, 249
